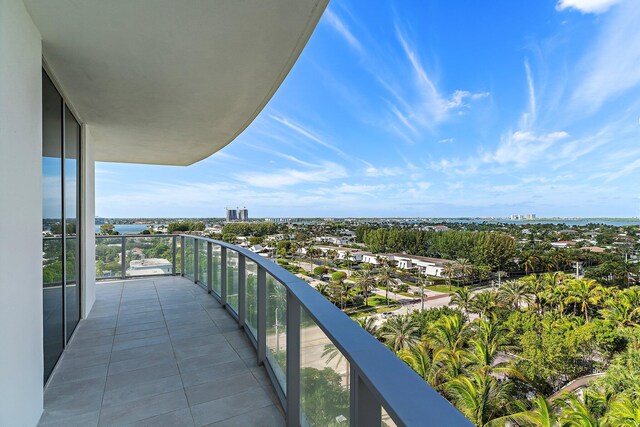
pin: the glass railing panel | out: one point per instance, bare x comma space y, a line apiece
149, 256
216, 274
202, 262
386, 419
232, 279
178, 254
276, 328
108, 258
189, 243
324, 378
251, 299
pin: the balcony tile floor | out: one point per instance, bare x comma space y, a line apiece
159, 352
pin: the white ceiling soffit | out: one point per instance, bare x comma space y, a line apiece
170, 81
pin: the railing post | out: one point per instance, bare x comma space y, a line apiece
195, 260
182, 256
174, 248
262, 315
123, 255
365, 408
293, 361
223, 276
241, 289
209, 267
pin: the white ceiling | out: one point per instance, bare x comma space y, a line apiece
170, 81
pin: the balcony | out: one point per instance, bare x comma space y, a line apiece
233, 340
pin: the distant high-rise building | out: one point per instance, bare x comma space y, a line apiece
232, 215
237, 214
531, 216
243, 214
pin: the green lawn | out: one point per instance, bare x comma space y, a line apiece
371, 310
442, 288
407, 294
376, 300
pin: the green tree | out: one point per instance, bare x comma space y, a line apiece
107, 229
399, 333
462, 298
386, 280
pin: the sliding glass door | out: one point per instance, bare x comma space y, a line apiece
61, 145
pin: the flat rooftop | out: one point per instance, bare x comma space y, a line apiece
159, 352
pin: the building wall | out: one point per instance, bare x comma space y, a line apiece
21, 357
88, 224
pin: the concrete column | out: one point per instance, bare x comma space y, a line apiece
21, 358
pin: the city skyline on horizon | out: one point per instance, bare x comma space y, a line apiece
380, 117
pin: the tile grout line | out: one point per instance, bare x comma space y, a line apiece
270, 389
104, 390
174, 353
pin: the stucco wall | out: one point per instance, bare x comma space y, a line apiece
21, 363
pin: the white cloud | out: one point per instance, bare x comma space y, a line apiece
528, 118
612, 66
429, 105
446, 141
325, 171
339, 26
306, 133
623, 171
385, 171
522, 147
586, 6
457, 99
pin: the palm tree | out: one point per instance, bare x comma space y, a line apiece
542, 414
400, 333
332, 254
624, 411
331, 352
447, 332
584, 293
347, 258
479, 396
536, 288
484, 303
530, 263
513, 293
621, 313
324, 289
449, 271
365, 282
385, 279
577, 412
463, 268
369, 325
463, 298
421, 359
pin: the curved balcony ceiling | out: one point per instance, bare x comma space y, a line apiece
171, 81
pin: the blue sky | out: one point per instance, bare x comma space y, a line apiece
429, 108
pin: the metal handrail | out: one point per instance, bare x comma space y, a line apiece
378, 377
408, 399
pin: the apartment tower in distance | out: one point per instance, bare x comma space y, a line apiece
237, 214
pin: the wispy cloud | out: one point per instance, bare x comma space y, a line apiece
586, 6
306, 133
521, 148
323, 172
425, 105
612, 66
626, 169
373, 171
341, 28
529, 117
